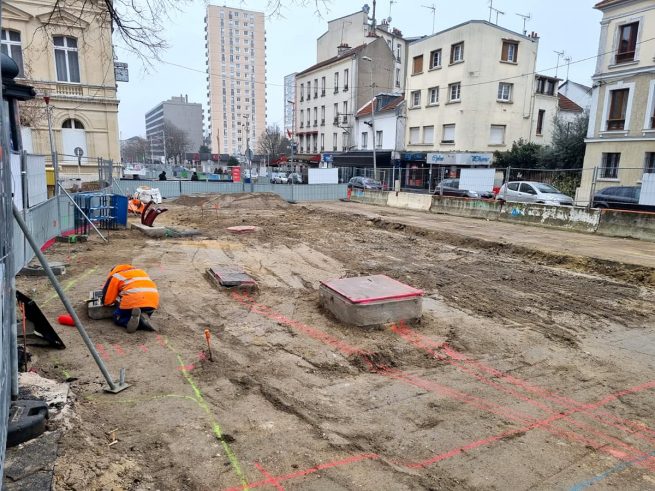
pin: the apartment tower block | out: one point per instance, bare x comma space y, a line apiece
236, 78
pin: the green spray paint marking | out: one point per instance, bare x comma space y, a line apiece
216, 428
72, 282
104, 400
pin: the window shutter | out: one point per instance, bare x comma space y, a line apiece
497, 136
428, 134
449, 132
505, 55
414, 135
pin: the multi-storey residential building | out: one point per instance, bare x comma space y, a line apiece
236, 78
621, 134
355, 30
329, 93
67, 55
471, 90
179, 112
289, 101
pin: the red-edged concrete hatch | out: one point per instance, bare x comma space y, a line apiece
242, 229
369, 300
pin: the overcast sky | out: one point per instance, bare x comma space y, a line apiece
569, 25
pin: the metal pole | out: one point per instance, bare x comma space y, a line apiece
55, 163
78, 324
83, 214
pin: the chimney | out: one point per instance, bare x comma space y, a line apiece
342, 48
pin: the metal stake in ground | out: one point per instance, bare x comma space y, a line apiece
113, 387
209, 348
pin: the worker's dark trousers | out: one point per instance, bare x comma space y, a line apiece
122, 316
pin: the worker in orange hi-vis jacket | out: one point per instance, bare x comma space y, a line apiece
134, 294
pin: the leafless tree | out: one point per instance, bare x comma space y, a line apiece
135, 149
272, 142
177, 142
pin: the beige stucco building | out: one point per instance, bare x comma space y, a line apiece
68, 56
621, 135
236, 78
467, 92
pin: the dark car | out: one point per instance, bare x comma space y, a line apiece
620, 198
451, 188
364, 183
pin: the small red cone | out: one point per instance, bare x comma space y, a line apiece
66, 320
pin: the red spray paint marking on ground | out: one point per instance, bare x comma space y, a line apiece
186, 368
103, 353
265, 311
143, 348
415, 339
202, 356
270, 479
453, 356
119, 350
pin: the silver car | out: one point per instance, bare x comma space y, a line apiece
533, 192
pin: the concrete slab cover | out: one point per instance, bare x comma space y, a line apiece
366, 289
242, 229
231, 276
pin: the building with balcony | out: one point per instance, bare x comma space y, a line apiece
66, 54
621, 136
330, 92
236, 78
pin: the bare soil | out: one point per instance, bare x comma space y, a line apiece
524, 372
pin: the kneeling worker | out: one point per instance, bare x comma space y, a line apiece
134, 294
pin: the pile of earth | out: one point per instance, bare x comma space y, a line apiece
244, 201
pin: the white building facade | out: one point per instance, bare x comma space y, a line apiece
467, 92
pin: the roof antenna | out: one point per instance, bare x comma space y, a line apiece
432, 7
391, 2
492, 9
559, 54
567, 59
525, 19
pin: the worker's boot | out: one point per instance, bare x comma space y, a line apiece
145, 322
133, 323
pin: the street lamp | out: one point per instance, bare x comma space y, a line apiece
373, 102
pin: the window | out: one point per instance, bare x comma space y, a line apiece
322, 86
416, 98
345, 112
435, 59
66, 60
302, 92
344, 141
497, 134
649, 165
527, 189
414, 135
336, 113
433, 96
505, 92
322, 115
545, 86
417, 64
74, 124
540, 121
627, 42
309, 90
510, 51
315, 88
448, 133
336, 82
457, 53
12, 48
454, 92
378, 139
334, 142
345, 80
618, 107
610, 167
302, 117
513, 186
397, 77
322, 142
652, 116
364, 140
315, 116
428, 135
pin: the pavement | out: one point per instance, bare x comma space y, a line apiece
549, 240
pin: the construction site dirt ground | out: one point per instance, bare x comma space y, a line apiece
524, 372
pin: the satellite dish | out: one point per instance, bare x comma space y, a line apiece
389, 20
366, 8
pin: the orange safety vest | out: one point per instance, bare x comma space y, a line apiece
131, 288
136, 206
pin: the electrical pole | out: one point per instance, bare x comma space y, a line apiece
293, 128
559, 54
373, 103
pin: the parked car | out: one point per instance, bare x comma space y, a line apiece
294, 178
451, 188
364, 183
620, 198
279, 178
533, 192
